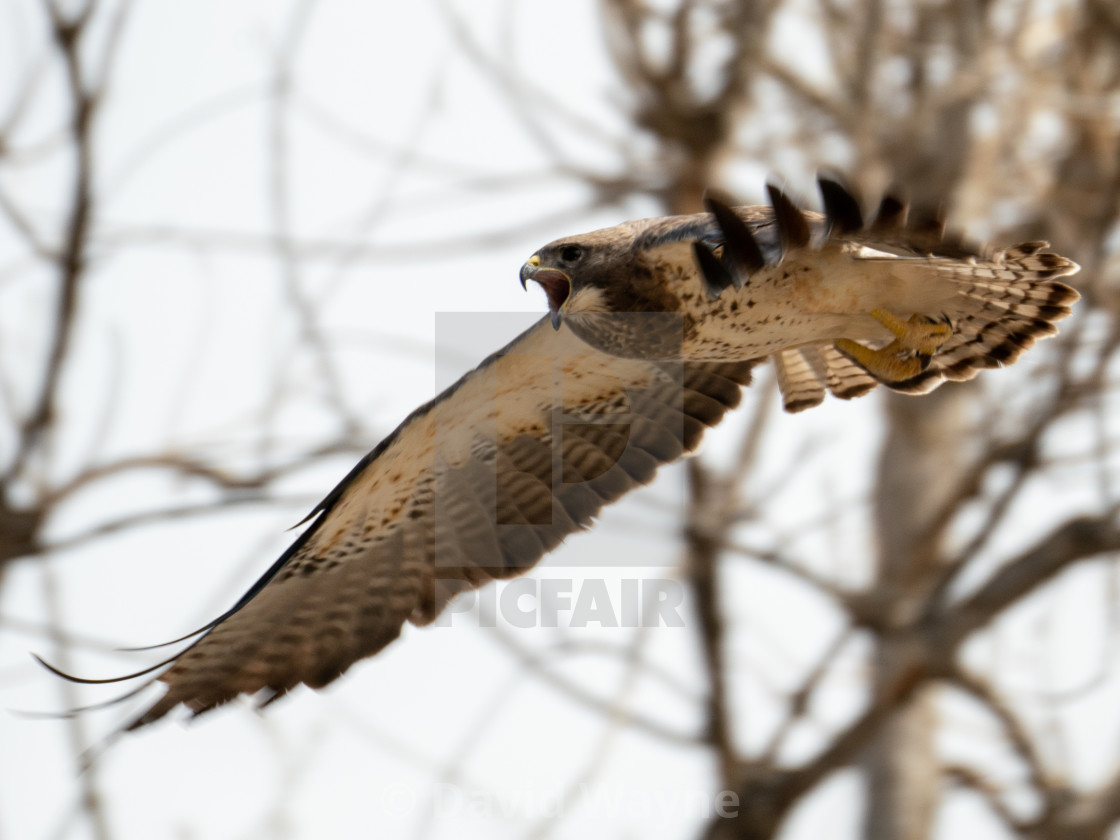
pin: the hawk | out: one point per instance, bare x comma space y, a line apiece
653, 329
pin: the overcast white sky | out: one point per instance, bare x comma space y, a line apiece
390, 128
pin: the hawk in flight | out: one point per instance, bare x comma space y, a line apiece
652, 331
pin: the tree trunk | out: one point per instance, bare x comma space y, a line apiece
918, 471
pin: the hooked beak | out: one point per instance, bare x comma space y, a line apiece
556, 284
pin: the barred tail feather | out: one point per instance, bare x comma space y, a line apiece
845, 379
805, 373
1005, 303
799, 384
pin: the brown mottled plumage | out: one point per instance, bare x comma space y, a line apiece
654, 327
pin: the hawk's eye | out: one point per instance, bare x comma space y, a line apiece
571, 253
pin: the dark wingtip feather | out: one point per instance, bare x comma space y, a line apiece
841, 209
739, 243
78, 710
160, 708
716, 276
927, 220
106, 680
203, 629
891, 213
793, 229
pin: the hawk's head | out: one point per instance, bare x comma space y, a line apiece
596, 272
597, 282
574, 274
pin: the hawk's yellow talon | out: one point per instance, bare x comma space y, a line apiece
916, 340
917, 334
885, 364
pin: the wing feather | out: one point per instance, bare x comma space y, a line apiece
478, 484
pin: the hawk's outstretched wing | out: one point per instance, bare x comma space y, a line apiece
477, 484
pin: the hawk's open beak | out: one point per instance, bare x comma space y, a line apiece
556, 284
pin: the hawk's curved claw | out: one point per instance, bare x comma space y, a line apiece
916, 342
885, 364
918, 334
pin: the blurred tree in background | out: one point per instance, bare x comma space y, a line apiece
942, 587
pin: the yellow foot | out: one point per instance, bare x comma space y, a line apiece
885, 364
919, 334
917, 339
